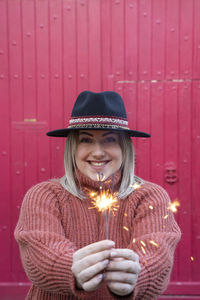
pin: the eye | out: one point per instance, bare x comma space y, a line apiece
110, 139
85, 140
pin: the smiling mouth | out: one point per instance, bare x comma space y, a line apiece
98, 163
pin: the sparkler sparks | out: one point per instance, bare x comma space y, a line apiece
173, 206
166, 216
105, 201
136, 185
125, 228
142, 247
143, 243
154, 243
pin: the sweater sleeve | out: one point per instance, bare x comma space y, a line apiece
45, 251
154, 238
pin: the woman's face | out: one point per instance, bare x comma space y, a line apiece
98, 151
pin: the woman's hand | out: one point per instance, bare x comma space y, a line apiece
89, 263
122, 272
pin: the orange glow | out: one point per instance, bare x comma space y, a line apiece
104, 201
173, 206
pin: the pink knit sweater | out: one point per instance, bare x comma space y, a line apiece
53, 224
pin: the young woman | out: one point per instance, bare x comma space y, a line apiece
62, 240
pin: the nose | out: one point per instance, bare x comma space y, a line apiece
98, 150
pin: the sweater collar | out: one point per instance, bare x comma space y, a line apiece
86, 184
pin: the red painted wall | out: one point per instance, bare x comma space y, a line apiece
147, 50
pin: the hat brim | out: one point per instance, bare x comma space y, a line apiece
64, 132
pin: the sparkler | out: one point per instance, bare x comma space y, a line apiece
104, 201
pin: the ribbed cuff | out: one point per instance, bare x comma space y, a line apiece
81, 294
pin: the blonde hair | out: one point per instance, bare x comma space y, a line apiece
128, 164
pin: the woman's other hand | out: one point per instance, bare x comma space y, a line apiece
122, 272
89, 263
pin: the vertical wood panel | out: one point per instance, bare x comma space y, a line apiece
170, 141
130, 98
29, 59
131, 39
94, 51
186, 38
5, 274
158, 39
171, 130
130, 90
172, 39
195, 216
157, 132
184, 164
16, 117
69, 56
56, 83
117, 39
42, 92
143, 124
106, 53
145, 39
196, 39
82, 45
29, 91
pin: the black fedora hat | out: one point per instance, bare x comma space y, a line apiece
98, 111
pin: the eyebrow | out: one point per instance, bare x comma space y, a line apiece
90, 134
83, 132
109, 132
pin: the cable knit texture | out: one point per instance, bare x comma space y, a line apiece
53, 224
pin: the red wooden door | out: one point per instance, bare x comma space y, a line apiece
147, 50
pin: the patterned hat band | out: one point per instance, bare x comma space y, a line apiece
98, 122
